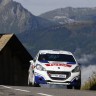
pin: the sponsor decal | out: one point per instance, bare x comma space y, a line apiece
65, 65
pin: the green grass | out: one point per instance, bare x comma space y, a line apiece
91, 83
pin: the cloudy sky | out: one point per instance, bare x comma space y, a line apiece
37, 7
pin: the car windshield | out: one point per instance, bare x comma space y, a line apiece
56, 57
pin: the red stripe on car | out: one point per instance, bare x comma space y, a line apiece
65, 65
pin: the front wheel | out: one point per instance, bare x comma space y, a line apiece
78, 86
69, 86
34, 84
29, 83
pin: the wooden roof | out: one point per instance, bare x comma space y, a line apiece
4, 40
11, 41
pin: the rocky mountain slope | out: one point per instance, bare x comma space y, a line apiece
70, 15
16, 19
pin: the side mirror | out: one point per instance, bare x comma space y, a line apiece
31, 61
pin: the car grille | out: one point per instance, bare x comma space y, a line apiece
68, 74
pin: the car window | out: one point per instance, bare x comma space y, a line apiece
56, 57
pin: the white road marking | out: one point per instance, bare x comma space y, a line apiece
44, 94
6, 87
14, 88
22, 90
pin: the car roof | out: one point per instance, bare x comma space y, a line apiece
54, 52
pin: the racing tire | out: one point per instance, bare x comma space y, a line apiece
29, 83
78, 85
69, 87
36, 85
33, 82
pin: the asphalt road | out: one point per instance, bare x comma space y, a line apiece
41, 91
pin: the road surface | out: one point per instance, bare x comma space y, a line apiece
41, 91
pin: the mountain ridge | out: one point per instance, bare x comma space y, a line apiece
77, 34
17, 19
75, 14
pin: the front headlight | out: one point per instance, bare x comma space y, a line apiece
76, 69
40, 67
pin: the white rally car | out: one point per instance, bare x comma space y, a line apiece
54, 67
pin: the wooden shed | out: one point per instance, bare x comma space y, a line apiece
14, 61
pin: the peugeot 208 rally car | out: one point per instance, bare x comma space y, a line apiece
54, 67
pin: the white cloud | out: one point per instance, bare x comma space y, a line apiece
86, 59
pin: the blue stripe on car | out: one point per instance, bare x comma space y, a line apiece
71, 63
40, 80
43, 61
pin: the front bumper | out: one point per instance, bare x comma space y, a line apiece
44, 78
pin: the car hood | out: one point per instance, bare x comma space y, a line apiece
58, 66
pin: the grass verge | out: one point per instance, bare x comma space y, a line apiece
90, 84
